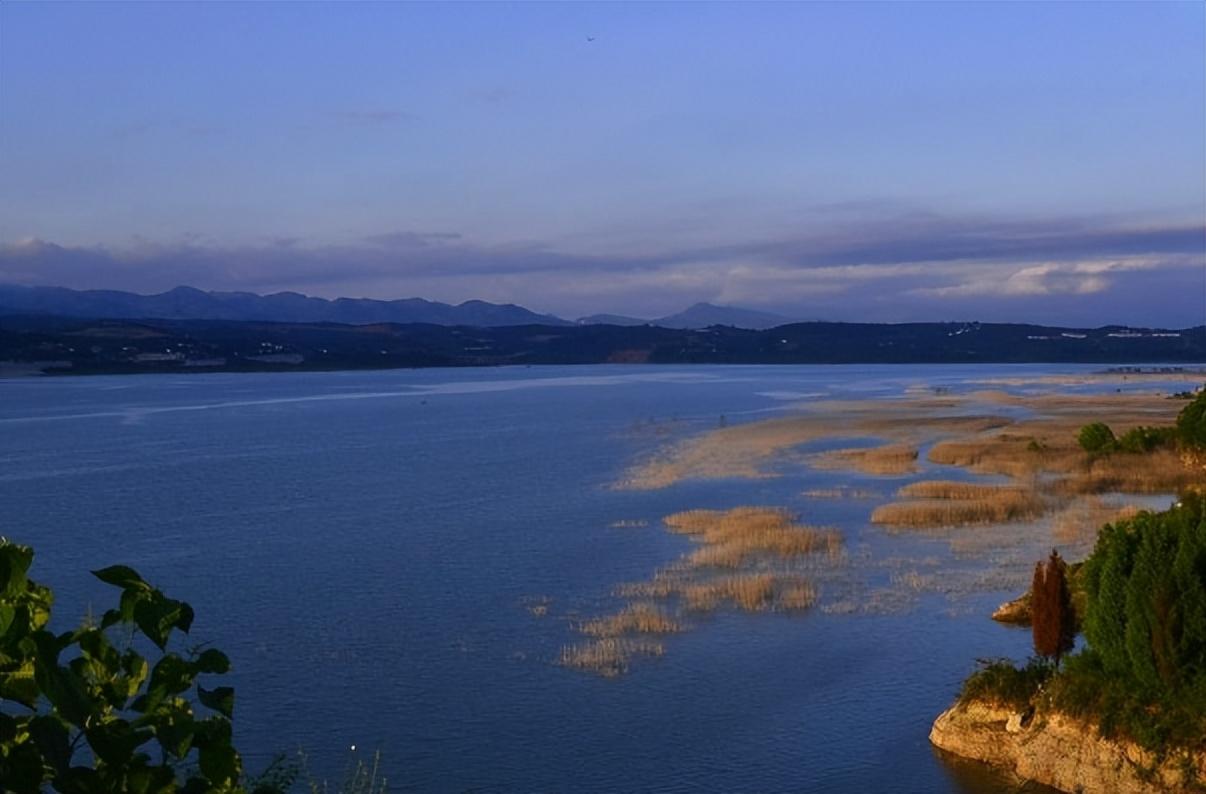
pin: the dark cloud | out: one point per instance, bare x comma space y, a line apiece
911, 267
403, 240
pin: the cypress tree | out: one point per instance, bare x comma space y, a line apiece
1053, 623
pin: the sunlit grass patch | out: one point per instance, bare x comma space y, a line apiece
994, 506
732, 537
640, 618
889, 459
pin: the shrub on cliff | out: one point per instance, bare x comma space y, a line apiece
1146, 588
1143, 673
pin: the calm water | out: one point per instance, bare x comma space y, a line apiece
365, 547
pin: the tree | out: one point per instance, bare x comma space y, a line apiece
90, 714
1146, 612
1054, 621
1191, 422
1097, 437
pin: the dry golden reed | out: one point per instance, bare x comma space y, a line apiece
1080, 522
731, 537
607, 657
890, 459
934, 513
638, 618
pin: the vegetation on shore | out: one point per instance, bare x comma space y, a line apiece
1141, 674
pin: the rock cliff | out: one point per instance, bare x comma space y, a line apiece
1061, 752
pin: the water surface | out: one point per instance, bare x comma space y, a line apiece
367, 547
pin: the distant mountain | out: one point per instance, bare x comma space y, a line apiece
703, 315
186, 303
613, 319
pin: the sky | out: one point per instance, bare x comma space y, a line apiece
903, 161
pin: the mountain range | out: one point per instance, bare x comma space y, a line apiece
187, 303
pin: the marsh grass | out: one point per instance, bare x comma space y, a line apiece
639, 618
732, 537
998, 506
797, 595
1079, 523
608, 657
886, 460
729, 568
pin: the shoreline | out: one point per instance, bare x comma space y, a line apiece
1059, 751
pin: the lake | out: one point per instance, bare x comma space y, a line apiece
394, 560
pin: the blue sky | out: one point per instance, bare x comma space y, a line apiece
878, 161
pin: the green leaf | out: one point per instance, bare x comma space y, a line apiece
115, 741
80, 780
66, 692
220, 763
212, 661
172, 675
121, 576
158, 615
220, 699
53, 740
175, 732
22, 770
14, 564
7, 613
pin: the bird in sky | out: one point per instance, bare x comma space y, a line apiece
590, 38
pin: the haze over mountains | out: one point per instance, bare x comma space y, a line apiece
187, 303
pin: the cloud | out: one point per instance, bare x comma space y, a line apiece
913, 266
402, 240
1053, 278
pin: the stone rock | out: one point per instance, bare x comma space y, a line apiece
1062, 752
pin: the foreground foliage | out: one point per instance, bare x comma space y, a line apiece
84, 714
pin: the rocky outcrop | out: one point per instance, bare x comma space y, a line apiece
1061, 752
1016, 611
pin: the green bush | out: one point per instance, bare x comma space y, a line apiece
1146, 439
1191, 422
999, 682
1096, 438
98, 717
1146, 588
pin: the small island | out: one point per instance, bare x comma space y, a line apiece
1127, 711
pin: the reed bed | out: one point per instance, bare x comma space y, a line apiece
607, 657
797, 595
1160, 471
740, 542
948, 489
887, 460
640, 618
751, 592
732, 537
1079, 523
985, 504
